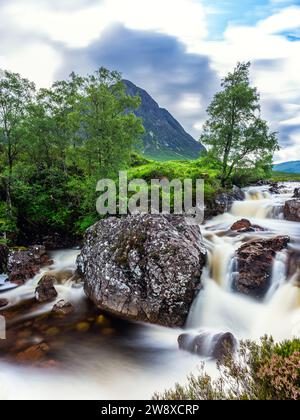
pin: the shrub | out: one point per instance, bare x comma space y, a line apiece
260, 371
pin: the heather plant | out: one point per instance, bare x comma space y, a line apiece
259, 371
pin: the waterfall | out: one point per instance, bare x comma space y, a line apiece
147, 359
279, 273
217, 308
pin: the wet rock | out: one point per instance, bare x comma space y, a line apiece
244, 225
260, 183
275, 188
45, 291
293, 265
77, 285
223, 345
62, 308
216, 346
3, 303
222, 202
237, 194
296, 193
76, 279
60, 276
255, 261
3, 258
292, 210
33, 354
64, 276
83, 327
143, 267
24, 265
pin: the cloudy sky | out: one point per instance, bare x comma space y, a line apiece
176, 49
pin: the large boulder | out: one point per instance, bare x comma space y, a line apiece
292, 210
3, 258
24, 265
254, 261
143, 267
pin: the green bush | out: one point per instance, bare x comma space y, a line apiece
260, 371
8, 224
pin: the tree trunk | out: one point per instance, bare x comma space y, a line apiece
8, 192
9, 178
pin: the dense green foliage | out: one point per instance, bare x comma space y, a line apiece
235, 132
265, 371
181, 170
55, 144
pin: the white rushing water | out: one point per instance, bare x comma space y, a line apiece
148, 359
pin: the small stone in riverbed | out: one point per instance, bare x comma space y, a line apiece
101, 320
241, 224
244, 225
217, 346
52, 331
3, 302
108, 331
62, 308
77, 285
45, 290
83, 327
33, 354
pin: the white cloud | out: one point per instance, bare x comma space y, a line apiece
190, 103
48, 27
77, 28
291, 122
290, 153
37, 61
198, 126
286, 19
276, 69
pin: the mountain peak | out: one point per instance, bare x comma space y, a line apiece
165, 138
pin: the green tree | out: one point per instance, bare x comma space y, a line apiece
15, 95
235, 132
108, 126
55, 144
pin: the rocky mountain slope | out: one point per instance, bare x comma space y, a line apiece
165, 138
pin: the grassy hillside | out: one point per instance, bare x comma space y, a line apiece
196, 169
165, 155
284, 177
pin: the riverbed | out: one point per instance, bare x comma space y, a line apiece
94, 356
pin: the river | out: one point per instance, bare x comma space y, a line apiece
106, 358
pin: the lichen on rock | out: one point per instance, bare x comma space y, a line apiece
143, 267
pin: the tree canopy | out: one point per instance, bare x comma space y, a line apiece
235, 133
56, 143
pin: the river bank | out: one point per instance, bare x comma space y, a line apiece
93, 355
